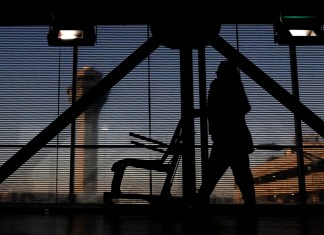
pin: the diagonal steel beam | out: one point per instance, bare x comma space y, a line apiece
267, 83
54, 128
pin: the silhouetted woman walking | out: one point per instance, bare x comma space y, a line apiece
232, 141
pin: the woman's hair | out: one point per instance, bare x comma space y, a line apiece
228, 69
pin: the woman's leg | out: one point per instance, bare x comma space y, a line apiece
216, 167
244, 179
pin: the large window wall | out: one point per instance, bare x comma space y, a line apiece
35, 89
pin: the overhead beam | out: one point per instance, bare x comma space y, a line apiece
103, 13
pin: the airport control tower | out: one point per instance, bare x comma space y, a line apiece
86, 135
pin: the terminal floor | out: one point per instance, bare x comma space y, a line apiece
72, 221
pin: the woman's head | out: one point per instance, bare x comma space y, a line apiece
227, 68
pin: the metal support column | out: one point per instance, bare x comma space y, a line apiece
187, 113
73, 123
203, 111
298, 129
